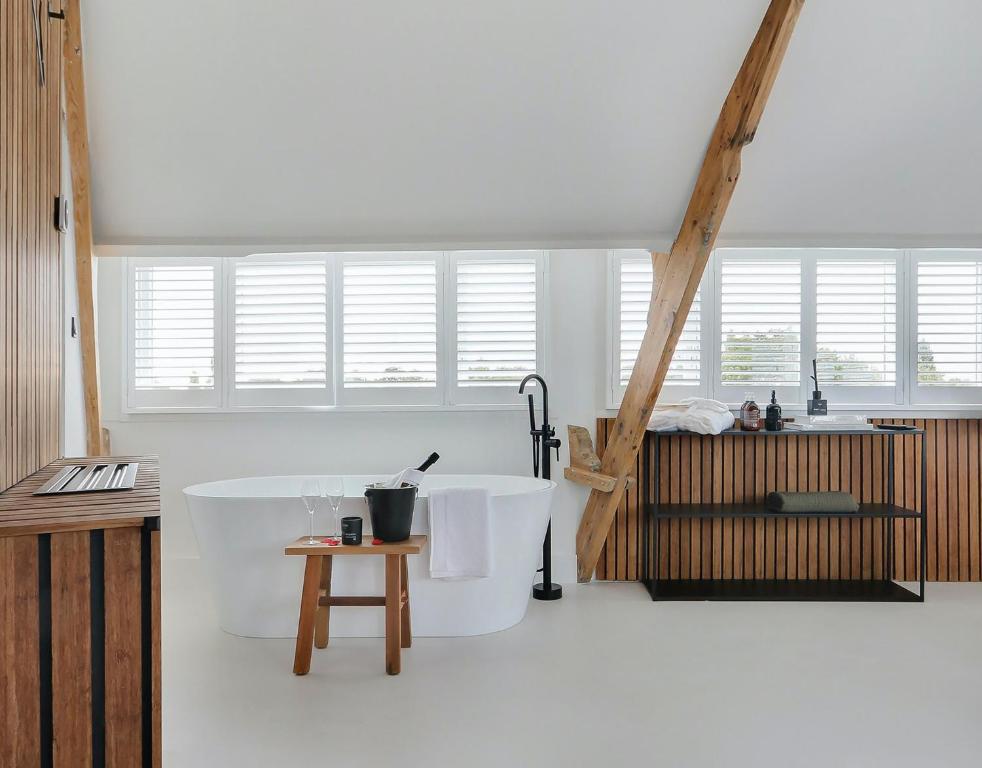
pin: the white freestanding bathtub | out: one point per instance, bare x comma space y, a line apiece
242, 526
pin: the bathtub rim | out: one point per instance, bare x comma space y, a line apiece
195, 490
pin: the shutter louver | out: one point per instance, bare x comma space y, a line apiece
760, 321
856, 322
390, 324
496, 321
949, 323
635, 299
280, 325
174, 327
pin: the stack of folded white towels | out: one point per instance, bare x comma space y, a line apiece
694, 414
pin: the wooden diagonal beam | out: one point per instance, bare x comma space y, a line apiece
78, 150
681, 272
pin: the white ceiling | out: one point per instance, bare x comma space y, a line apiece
549, 122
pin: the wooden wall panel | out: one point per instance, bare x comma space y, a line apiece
71, 654
30, 259
124, 697
20, 735
719, 469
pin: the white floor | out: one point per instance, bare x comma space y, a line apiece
602, 678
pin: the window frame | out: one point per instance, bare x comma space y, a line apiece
857, 396
934, 396
157, 399
225, 398
395, 394
905, 396
247, 399
733, 393
485, 395
670, 392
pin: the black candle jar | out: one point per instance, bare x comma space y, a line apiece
351, 530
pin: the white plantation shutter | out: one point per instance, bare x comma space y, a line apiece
280, 325
856, 322
496, 330
635, 299
173, 333
949, 323
389, 325
760, 322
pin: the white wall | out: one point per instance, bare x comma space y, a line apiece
73, 408
197, 448
556, 123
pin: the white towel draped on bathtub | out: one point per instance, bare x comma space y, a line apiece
460, 533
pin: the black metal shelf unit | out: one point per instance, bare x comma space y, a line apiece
866, 590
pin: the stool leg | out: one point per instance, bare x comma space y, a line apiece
322, 627
393, 592
406, 629
308, 609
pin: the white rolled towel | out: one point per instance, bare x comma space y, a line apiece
706, 422
705, 404
665, 418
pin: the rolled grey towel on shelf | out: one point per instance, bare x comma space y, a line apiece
811, 501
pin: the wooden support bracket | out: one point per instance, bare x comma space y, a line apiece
584, 465
678, 274
597, 481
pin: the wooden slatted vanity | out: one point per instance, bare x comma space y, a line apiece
880, 519
80, 623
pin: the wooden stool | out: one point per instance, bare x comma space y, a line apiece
316, 598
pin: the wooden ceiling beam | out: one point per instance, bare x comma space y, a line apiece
681, 272
78, 150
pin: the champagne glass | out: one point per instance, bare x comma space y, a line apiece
334, 490
310, 493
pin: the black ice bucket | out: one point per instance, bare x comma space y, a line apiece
391, 511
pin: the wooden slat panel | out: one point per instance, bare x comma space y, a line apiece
156, 718
70, 650
19, 656
30, 256
723, 469
123, 648
21, 512
601, 442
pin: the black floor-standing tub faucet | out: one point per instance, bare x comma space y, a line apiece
543, 439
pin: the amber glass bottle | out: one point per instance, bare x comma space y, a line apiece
750, 415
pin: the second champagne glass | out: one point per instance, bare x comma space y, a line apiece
334, 491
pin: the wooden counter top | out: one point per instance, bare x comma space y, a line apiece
22, 513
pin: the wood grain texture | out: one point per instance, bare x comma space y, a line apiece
30, 250
308, 613
322, 626
23, 513
124, 706
156, 714
410, 546
393, 618
678, 276
19, 667
78, 150
723, 469
71, 663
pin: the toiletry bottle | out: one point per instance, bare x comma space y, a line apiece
747, 397
772, 419
750, 415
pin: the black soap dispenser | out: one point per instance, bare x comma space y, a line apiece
772, 418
